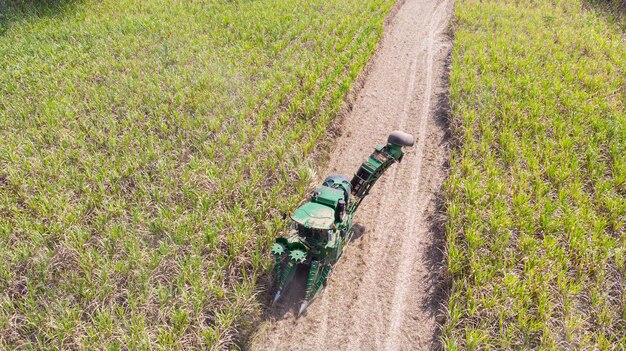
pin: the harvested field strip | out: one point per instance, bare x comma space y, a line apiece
146, 151
536, 200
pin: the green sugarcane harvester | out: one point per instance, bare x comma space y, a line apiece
322, 227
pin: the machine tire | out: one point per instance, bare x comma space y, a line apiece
401, 138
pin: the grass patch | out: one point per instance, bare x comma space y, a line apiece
613, 10
147, 148
536, 200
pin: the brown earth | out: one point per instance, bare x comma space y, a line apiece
386, 291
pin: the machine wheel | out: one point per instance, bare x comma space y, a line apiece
400, 138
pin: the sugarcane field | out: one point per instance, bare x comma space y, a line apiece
313, 175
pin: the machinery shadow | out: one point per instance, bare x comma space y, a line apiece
291, 299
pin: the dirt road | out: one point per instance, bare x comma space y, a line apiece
384, 293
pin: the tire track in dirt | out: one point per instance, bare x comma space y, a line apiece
383, 293
408, 251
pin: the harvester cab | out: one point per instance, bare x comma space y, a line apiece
322, 226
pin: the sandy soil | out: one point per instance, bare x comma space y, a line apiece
385, 292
